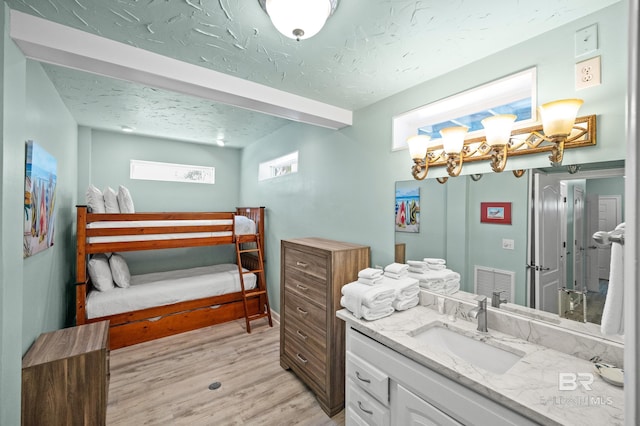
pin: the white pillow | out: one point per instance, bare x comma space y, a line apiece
120, 271
100, 272
95, 200
125, 202
110, 200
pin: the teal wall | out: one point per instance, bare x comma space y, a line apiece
345, 187
48, 286
105, 160
11, 200
36, 292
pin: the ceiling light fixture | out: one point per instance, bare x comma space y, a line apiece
127, 129
298, 19
560, 129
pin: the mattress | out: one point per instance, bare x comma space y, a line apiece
243, 225
163, 288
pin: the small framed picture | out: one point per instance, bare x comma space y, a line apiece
499, 213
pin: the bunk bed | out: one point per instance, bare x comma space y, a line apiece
122, 232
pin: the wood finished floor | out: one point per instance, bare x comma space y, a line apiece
166, 381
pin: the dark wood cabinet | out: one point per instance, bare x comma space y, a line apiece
65, 377
313, 271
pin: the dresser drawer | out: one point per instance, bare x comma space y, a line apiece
368, 377
366, 407
309, 263
310, 338
306, 285
305, 360
307, 313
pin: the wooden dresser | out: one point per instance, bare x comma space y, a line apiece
65, 377
313, 271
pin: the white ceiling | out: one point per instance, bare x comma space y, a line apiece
367, 51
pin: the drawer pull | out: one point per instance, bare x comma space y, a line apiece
366, 411
302, 335
302, 264
361, 379
302, 311
302, 287
302, 359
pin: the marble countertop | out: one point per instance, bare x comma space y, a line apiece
531, 387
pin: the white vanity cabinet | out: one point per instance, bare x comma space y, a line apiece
384, 387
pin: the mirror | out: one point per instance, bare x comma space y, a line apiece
502, 253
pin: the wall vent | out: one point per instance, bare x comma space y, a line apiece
487, 280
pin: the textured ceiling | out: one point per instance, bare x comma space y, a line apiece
367, 51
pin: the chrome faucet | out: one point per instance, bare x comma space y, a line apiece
480, 312
495, 299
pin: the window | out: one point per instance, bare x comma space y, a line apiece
280, 166
171, 172
514, 94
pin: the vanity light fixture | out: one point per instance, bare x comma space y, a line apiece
559, 130
453, 145
297, 19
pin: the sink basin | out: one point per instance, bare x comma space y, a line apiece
476, 352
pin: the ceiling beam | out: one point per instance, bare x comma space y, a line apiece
50, 42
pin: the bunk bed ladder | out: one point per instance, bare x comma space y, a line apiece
261, 288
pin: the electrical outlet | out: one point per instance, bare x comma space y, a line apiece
588, 73
508, 244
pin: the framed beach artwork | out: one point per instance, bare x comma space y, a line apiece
408, 210
499, 213
39, 199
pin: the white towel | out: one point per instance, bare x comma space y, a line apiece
419, 264
436, 266
370, 273
397, 276
435, 276
613, 312
396, 268
371, 296
370, 314
403, 305
434, 260
405, 288
370, 281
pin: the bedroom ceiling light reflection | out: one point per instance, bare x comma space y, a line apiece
298, 19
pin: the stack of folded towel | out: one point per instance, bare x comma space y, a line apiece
407, 288
370, 302
396, 270
370, 276
433, 275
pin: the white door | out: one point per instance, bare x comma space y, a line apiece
609, 216
578, 238
591, 254
548, 253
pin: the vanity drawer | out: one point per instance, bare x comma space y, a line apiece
307, 337
306, 285
368, 377
308, 263
306, 361
366, 407
301, 309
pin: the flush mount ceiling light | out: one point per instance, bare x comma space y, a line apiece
298, 19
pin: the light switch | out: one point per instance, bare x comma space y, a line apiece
587, 40
508, 244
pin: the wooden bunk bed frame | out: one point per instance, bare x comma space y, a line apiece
138, 326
